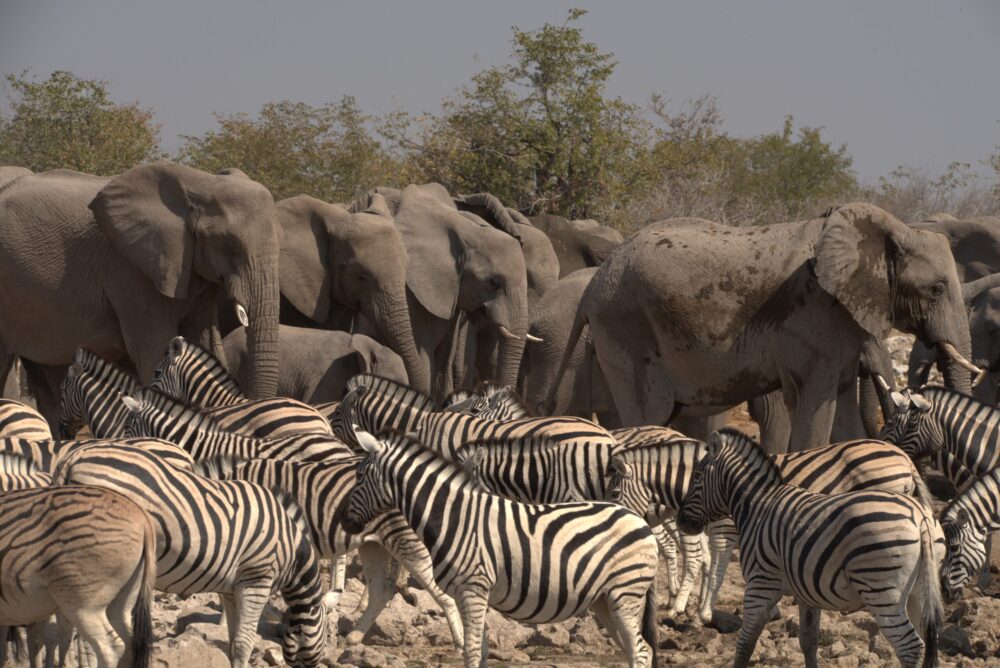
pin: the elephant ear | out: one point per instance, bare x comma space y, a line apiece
490, 209
854, 254
427, 229
304, 261
146, 214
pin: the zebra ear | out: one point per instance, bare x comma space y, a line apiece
920, 402
899, 400
368, 442
131, 403
75, 369
175, 348
961, 518
474, 458
714, 444
618, 465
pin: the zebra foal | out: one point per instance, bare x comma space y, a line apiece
536, 563
967, 521
86, 554
869, 549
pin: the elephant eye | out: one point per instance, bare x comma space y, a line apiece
937, 290
496, 282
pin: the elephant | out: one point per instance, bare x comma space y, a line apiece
10, 173
975, 243
459, 268
578, 243
335, 262
315, 364
982, 299
122, 265
689, 317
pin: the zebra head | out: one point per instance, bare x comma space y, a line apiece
372, 494
734, 466
71, 416
913, 427
966, 553
625, 488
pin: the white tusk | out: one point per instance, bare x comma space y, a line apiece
952, 352
881, 382
241, 315
533, 338
509, 335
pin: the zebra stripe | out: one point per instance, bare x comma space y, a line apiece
45, 455
231, 537
157, 415
489, 401
868, 549
321, 491
967, 521
92, 397
87, 554
17, 472
384, 405
20, 421
536, 563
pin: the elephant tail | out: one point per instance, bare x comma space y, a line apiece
574, 338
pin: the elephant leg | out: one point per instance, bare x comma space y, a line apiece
146, 328
642, 394
847, 422
869, 405
813, 408
10, 385
700, 427
45, 383
769, 412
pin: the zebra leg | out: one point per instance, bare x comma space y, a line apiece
722, 540
626, 620
809, 634
472, 604
603, 613
250, 599
691, 549
668, 548
423, 573
896, 627
338, 575
704, 592
402, 582
93, 626
37, 644
375, 561
758, 599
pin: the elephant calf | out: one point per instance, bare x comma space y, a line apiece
314, 365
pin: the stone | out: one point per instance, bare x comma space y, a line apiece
188, 650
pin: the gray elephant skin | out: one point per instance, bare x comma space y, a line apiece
689, 316
975, 243
337, 263
315, 364
122, 265
458, 264
578, 243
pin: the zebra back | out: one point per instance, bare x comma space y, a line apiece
44, 455
20, 421
190, 373
18, 472
388, 405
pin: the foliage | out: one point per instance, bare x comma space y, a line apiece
72, 123
914, 194
539, 133
294, 148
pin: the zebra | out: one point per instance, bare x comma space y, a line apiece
157, 415
967, 521
536, 563
190, 373
321, 490
489, 401
20, 421
383, 405
44, 455
651, 479
87, 555
869, 549
231, 537
18, 472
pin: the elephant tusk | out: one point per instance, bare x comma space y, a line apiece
881, 382
507, 334
241, 315
952, 352
533, 338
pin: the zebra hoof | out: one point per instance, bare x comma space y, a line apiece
355, 637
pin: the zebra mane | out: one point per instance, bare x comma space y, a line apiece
658, 444
382, 385
740, 441
175, 407
941, 389
218, 467
397, 439
215, 367
991, 478
98, 368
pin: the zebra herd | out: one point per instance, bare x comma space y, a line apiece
186, 486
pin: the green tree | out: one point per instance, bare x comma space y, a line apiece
294, 148
72, 123
539, 133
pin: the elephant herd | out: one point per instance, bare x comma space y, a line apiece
682, 320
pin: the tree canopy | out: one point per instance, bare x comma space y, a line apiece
72, 123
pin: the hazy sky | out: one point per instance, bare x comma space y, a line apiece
913, 82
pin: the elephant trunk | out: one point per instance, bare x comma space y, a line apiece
391, 317
513, 336
257, 292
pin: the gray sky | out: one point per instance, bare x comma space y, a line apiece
913, 82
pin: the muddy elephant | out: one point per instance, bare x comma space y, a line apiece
315, 364
689, 317
578, 243
337, 264
122, 265
982, 300
458, 267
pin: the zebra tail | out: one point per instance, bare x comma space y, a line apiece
933, 608
142, 620
920, 490
649, 629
